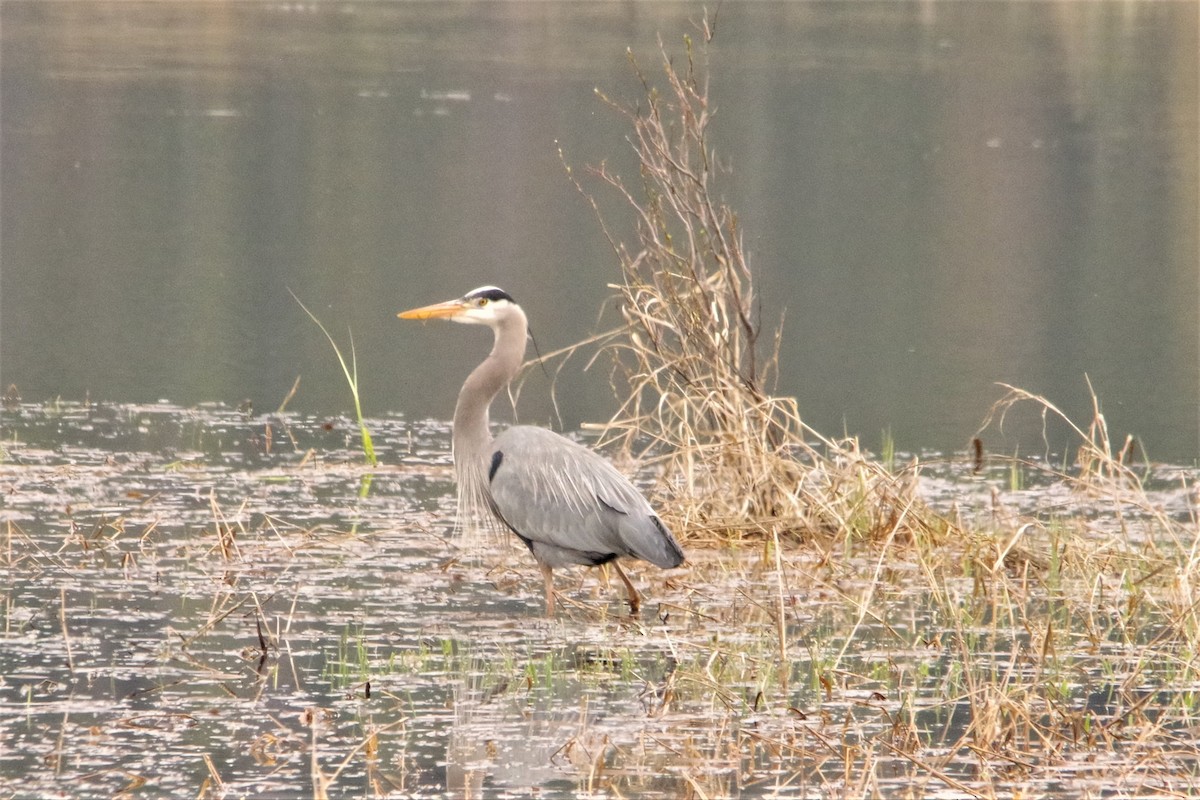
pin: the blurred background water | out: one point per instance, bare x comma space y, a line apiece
938, 196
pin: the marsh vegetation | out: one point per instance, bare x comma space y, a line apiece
205, 602
201, 602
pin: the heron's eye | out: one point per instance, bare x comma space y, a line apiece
483, 301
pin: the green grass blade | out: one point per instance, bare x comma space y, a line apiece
351, 372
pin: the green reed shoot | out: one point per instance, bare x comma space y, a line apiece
351, 372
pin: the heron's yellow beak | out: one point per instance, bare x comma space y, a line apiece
436, 311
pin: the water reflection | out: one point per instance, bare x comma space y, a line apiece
504, 745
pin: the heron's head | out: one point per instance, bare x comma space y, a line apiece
486, 305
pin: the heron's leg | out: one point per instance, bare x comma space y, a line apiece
548, 576
635, 601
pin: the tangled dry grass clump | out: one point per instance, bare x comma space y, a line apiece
738, 462
1048, 620
689, 358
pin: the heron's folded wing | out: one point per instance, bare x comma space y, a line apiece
551, 490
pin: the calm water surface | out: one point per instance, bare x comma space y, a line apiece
938, 195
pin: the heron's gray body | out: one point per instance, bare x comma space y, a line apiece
567, 504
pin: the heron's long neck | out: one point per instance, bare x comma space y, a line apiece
472, 438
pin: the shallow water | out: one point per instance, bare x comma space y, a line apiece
204, 602
153, 551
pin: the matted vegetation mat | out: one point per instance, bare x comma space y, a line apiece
200, 602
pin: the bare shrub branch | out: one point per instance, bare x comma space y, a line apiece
697, 386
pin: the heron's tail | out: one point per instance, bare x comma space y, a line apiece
651, 541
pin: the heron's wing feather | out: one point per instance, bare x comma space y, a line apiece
555, 492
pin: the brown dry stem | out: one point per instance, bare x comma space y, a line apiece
737, 460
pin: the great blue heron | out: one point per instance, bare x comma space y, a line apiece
567, 504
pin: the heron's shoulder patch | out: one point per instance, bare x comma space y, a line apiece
497, 459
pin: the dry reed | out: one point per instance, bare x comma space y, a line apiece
1018, 590
738, 460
